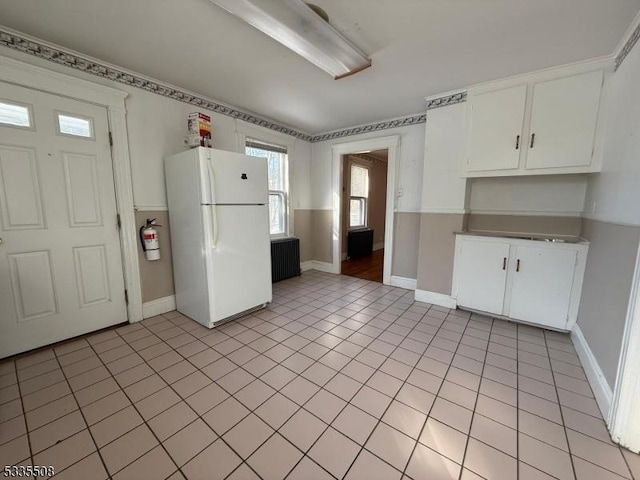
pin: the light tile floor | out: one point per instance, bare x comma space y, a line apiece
338, 378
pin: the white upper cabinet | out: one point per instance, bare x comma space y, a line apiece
496, 129
537, 124
564, 116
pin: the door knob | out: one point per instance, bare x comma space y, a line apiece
1, 240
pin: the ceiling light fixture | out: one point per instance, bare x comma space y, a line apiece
303, 29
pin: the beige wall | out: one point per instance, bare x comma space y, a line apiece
606, 290
405, 244
156, 277
322, 226
436, 250
526, 224
302, 228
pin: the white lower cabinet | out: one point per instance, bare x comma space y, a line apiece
482, 275
531, 281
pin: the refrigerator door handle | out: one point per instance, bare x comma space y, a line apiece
212, 180
214, 226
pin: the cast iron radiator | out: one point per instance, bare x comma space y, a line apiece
285, 258
359, 243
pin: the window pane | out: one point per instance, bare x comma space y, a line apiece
16, 115
276, 213
80, 127
356, 212
275, 166
359, 181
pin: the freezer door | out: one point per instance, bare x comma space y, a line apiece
233, 179
238, 258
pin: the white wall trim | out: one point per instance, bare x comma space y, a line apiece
597, 380
448, 211
435, 298
31, 76
599, 217
403, 282
390, 143
521, 213
624, 421
378, 246
159, 306
317, 265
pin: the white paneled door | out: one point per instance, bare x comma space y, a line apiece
60, 261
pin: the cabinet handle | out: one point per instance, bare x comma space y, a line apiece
518, 265
504, 263
517, 142
533, 138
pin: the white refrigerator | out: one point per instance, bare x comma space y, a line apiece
219, 222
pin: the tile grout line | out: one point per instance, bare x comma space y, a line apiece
24, 413
475, 405
83, 419
564, 429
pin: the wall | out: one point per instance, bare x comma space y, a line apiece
409, 175
444, 192
156, 128
613, 222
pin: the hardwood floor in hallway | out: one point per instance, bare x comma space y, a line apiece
367, 268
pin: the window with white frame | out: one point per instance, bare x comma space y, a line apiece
278, 182
359, 196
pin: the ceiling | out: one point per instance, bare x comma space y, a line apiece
418, 47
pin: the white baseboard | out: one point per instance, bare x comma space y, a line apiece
435, 298
403, 282
378, 246
158, 306
316, 265
597, 380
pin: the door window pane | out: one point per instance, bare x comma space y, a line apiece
76, 126
15, 115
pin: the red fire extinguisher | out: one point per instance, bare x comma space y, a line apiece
149, 239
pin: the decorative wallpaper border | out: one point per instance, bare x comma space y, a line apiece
446, 100
627, 47
374, 127
92, 67
76, 62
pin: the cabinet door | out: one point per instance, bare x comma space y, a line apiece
541, 285
563, 121
481, 272
496, 120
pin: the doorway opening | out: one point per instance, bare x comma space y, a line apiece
363, 207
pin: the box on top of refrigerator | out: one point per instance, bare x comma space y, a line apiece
199, 128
